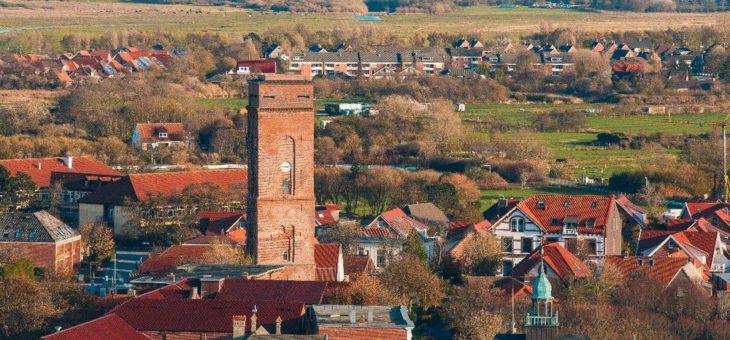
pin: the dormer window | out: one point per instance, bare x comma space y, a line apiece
541, 204
590, 223
32, 235
640, 262
566, 204
594, 204
714, 220
517, 224
671, 245
162, 134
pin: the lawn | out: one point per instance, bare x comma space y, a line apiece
59, 18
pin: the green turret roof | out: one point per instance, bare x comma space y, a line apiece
541, 288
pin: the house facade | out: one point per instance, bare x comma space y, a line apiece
153, 135
383, 238
582, 224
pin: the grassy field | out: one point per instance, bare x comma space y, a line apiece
577, 147
58, 18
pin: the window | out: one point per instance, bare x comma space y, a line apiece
566, 204
32, 235
590, 223
517, 224
551, 240
592, 248
286, 185
285, 256
507, 245
594, 204
506, 268
6, 234
18, 233
541, 204
162, 135
381, 258
361, 251
526, 245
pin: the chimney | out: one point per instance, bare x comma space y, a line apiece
370, 316
68, 161
278, 325
253, 319
194, 295
40, 165
239, 327
353, 316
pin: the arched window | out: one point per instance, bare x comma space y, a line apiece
287, 166
517, 224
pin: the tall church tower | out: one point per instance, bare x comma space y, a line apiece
281, 174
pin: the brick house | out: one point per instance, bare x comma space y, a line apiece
587, 223
111, 203
247, 67
153, 135
41, 238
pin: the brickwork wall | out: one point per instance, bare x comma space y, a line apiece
63, 258
364, 333
281, 130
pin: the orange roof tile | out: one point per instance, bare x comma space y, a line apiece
549, 211
326, 258
662, 269
148, 131
138, 187
358, 264
559, 259
108, 327
41, 169
172, 257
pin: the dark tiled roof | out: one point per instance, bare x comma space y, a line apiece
208, 315
109, 327
38, 226
426, 212
307, 292
218, 222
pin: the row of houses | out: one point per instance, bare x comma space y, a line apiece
94, 64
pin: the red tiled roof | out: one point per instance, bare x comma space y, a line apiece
326, 258
307, 292
399, 222
258, 66
695, 208
238, 236
41, 175
649, 238
108, 327
148, 132
323, 214
209, 315
506, 284
458, 233
559, 259
138, 187
169, 259
208, 239
375, 232
218, 222
358, 264
663, 269
555, 208
176, 291
704, 241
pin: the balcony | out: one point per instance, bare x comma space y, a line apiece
718, 268
533, 320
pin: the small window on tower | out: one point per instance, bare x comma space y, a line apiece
286, 185
285, 256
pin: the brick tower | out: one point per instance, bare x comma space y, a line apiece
281, 174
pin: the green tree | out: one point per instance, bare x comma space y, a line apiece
17, 268
414, 246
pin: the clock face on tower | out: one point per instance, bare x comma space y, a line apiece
285, 167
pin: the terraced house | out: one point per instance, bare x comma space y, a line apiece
591, 225
372, 63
